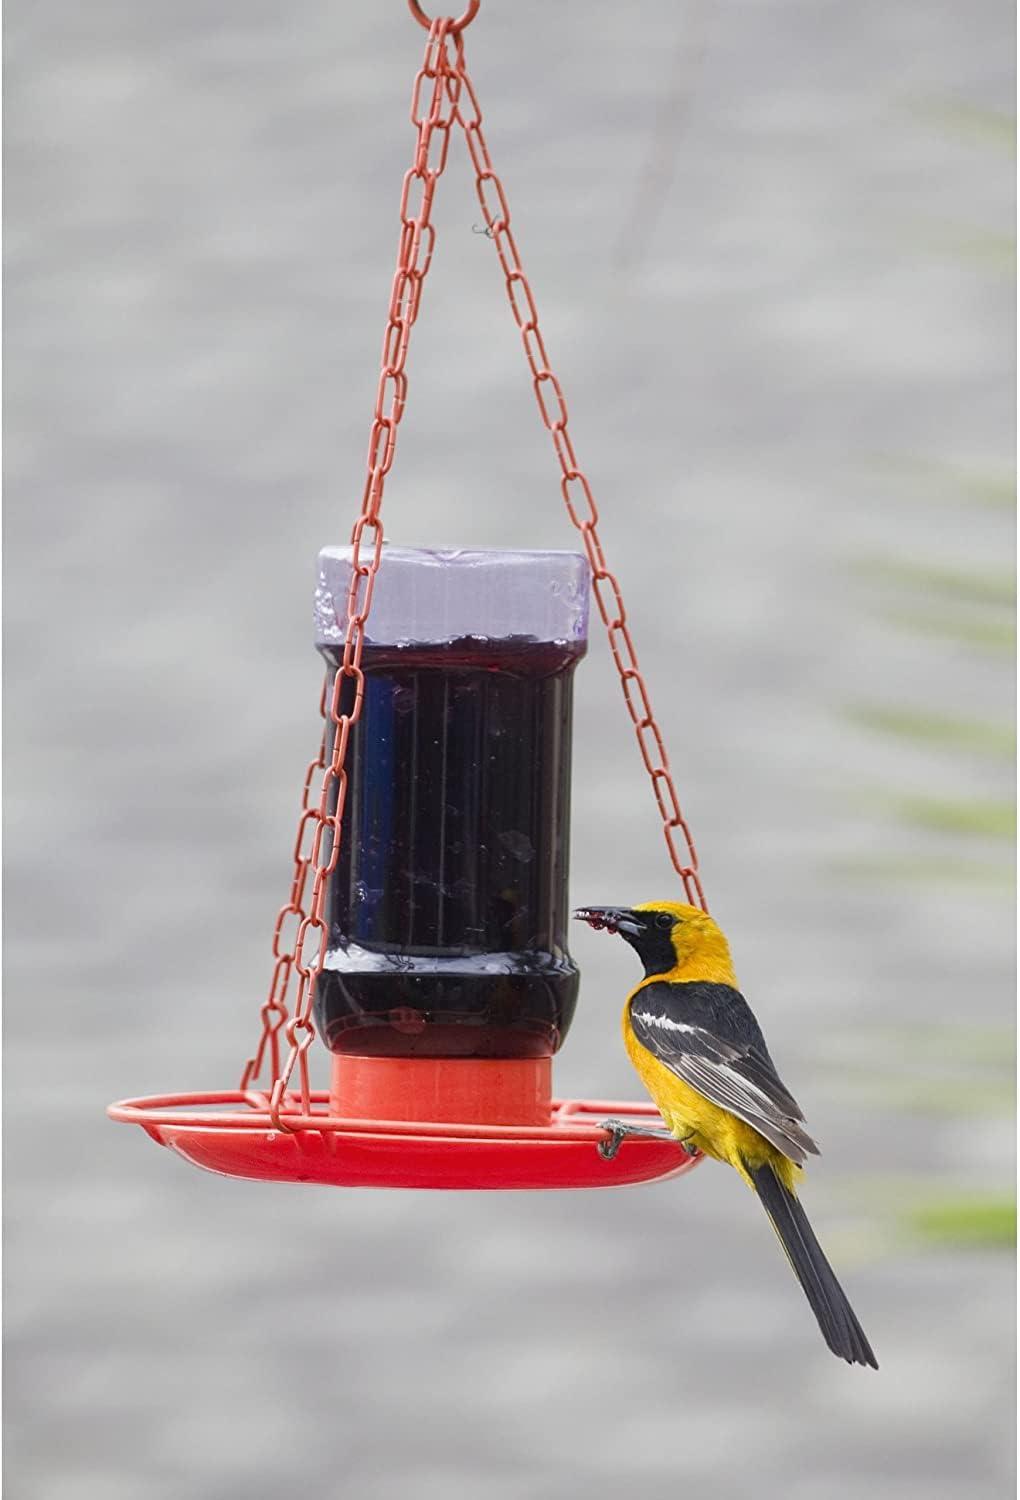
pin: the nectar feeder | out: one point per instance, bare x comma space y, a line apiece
424, 938
446, 986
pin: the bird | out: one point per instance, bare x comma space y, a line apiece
700, 1053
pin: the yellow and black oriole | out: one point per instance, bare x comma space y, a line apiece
701, 1055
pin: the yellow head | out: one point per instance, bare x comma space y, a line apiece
669, 938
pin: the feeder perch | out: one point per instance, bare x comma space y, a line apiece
424, 939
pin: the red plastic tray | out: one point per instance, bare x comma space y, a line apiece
232, 1133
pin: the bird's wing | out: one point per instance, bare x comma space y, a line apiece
707, 1035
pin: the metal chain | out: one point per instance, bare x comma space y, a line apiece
577, 492
317, 846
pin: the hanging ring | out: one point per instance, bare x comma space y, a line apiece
455, 26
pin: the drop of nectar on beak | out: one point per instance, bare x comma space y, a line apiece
595, 920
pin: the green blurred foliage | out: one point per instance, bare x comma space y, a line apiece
998, 636
989, 586
993, 252
980, 817
932, 869
905, 1213
926, 480
967, 121
965, 1221
940, 1071
938, 730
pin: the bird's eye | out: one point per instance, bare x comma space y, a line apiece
664, 920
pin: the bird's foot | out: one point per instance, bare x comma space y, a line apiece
617, 1134
619, 1131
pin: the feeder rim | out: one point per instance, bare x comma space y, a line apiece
182, 1109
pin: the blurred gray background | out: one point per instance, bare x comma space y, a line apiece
772, 245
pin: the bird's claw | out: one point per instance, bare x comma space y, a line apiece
617, 1134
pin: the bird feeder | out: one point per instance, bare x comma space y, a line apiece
424, 941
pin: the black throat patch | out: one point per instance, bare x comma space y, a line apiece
654, 946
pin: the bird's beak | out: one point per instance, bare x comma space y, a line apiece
611, 919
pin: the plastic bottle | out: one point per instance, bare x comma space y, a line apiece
448, 907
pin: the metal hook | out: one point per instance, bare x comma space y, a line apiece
455, 26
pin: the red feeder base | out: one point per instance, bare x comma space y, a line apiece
457, 1090
232, 1133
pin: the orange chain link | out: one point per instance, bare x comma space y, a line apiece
317, 845
574, 483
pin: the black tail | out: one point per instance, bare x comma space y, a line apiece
840, 1328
